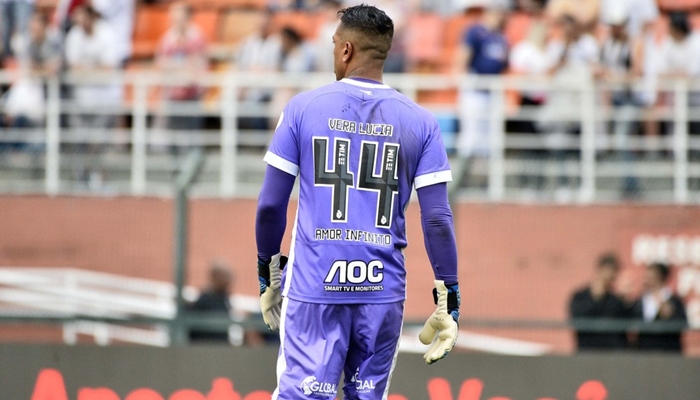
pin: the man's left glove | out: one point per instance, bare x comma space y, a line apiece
270, 279
440, 330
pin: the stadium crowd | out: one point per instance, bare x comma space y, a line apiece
567, 40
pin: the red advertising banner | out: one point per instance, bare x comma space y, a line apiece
224, 373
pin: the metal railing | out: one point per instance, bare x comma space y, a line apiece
140, 156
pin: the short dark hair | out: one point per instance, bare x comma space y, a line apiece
373, 24
292, 34
662, 269
679, 22
608, 260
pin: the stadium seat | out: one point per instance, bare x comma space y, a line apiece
237, 24
517, 26
454, 29
208, 22
424, 35
150, 25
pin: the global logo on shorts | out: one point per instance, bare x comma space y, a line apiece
311, 386
362, 385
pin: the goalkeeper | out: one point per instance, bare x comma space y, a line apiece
358, 148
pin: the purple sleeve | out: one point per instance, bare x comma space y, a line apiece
271, 217
438, 231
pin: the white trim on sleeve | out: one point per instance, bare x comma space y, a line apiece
432, 178
281, 164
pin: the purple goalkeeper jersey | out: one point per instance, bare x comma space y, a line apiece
358, 147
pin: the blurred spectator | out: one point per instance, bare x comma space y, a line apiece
260, 52
38, 53
214, 300
679, 57
573, 60
633, 21
532, 6
483, 51
181, 54
297, 55
119, 14
585, 13
90, 50
63, 13
14, 19
23, 106
529, 57
619, 63
323, 45
658, 303
640, 14
598, 301
578, 50
40, 50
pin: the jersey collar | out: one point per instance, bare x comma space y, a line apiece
365, 83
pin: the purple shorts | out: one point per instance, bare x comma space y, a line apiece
319, 341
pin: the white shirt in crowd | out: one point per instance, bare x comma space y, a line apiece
584, 51
119, 14
96, 51
258, 54
650, 306
679, 57
528, 58
636, 12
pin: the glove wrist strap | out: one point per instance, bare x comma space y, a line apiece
452, 297
264, 270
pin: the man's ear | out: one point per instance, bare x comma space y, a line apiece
348, 50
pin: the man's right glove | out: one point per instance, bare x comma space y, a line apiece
442, 326
270, 279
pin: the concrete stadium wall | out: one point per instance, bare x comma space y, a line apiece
516, 261
42, 372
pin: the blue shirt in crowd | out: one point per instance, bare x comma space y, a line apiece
489, 50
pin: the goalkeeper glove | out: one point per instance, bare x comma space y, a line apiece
270, 279
440, 330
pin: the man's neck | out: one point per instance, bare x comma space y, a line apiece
372, 74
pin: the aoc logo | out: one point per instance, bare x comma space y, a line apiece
311, 386
362, 386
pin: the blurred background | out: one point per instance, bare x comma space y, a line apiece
131, 157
